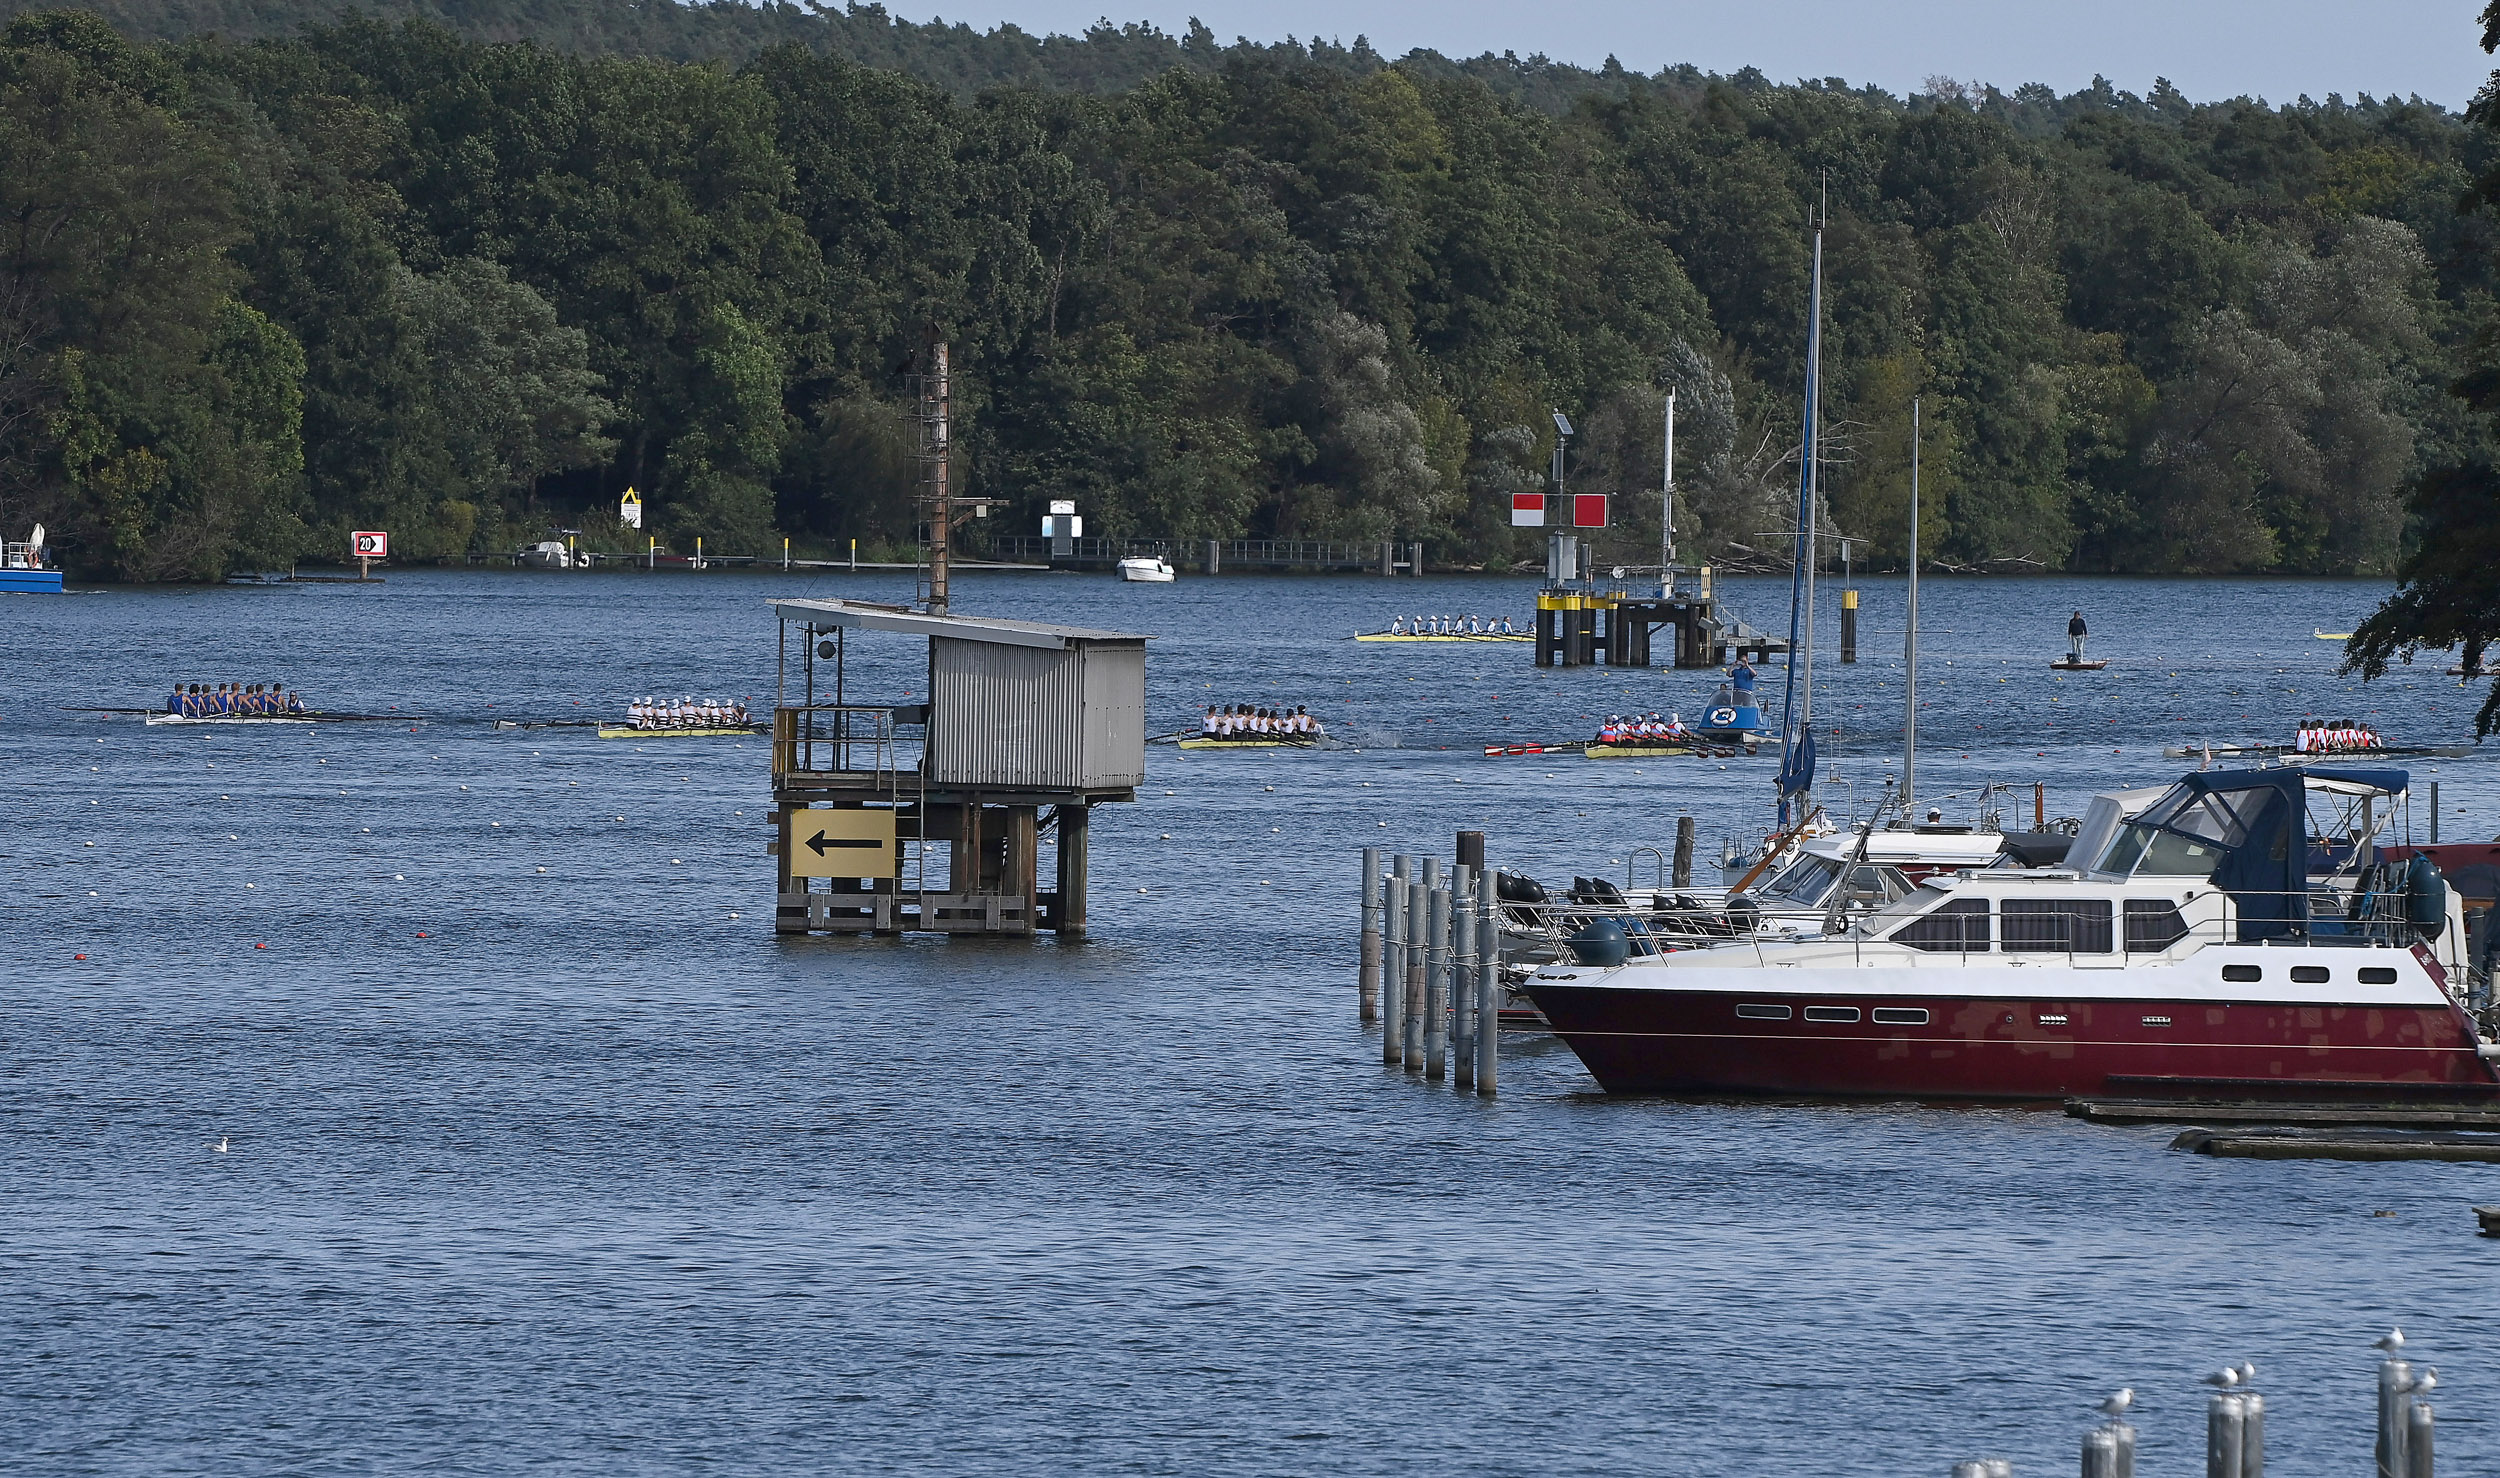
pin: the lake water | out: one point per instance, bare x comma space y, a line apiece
545, 1154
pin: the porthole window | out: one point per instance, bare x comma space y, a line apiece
1754, 1011
2309, 974
2243, 974
1901, 1016
2377, 975
1831, 1013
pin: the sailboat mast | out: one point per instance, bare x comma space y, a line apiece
1814, 471
1909, 645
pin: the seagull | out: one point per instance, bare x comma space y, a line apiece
2114, 1406
2225, 1378
2392, 1341
2248, 1372
221, 1144
2427, 1380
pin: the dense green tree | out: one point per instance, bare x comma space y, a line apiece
464, 272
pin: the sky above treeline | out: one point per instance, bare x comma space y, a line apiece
2275, 49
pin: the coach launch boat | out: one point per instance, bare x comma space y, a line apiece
2193, 954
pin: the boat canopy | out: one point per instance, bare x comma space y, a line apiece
2244, 829
2357, 779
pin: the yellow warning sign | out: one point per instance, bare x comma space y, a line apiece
844, 844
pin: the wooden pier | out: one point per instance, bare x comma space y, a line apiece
933, 817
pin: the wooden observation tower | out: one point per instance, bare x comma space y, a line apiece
951, 815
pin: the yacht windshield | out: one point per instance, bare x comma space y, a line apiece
2144, 849
1805, 882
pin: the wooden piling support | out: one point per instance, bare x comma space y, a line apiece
1418, 920
1686, 830
2419, 1441
2395, 1382
1463, 993
1393, 963
1075, 869
1488, 984
1367, 970
2225, 1426
1437, 987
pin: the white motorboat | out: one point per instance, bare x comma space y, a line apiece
546, 554
2197, 951
1150, 569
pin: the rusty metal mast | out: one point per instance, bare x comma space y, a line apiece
936, 496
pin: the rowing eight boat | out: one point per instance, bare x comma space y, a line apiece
1202, 742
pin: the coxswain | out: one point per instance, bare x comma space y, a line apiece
1316, 728
289, 702
2076, 631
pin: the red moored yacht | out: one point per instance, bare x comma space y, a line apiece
2193, 954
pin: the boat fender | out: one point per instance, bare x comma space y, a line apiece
2426, 896
1510, 887
1600, 942
1742, 911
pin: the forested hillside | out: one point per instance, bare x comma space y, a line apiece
376, 274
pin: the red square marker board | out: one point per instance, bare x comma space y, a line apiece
1588, 510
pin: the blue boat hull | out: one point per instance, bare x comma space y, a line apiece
31, 582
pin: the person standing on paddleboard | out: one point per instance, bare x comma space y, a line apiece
2076, 631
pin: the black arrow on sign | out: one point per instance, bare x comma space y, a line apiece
819, 843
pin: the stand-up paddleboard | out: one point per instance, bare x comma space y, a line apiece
2069, 664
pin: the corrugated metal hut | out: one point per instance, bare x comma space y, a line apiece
1026, 727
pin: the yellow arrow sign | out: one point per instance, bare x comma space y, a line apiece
843, 844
